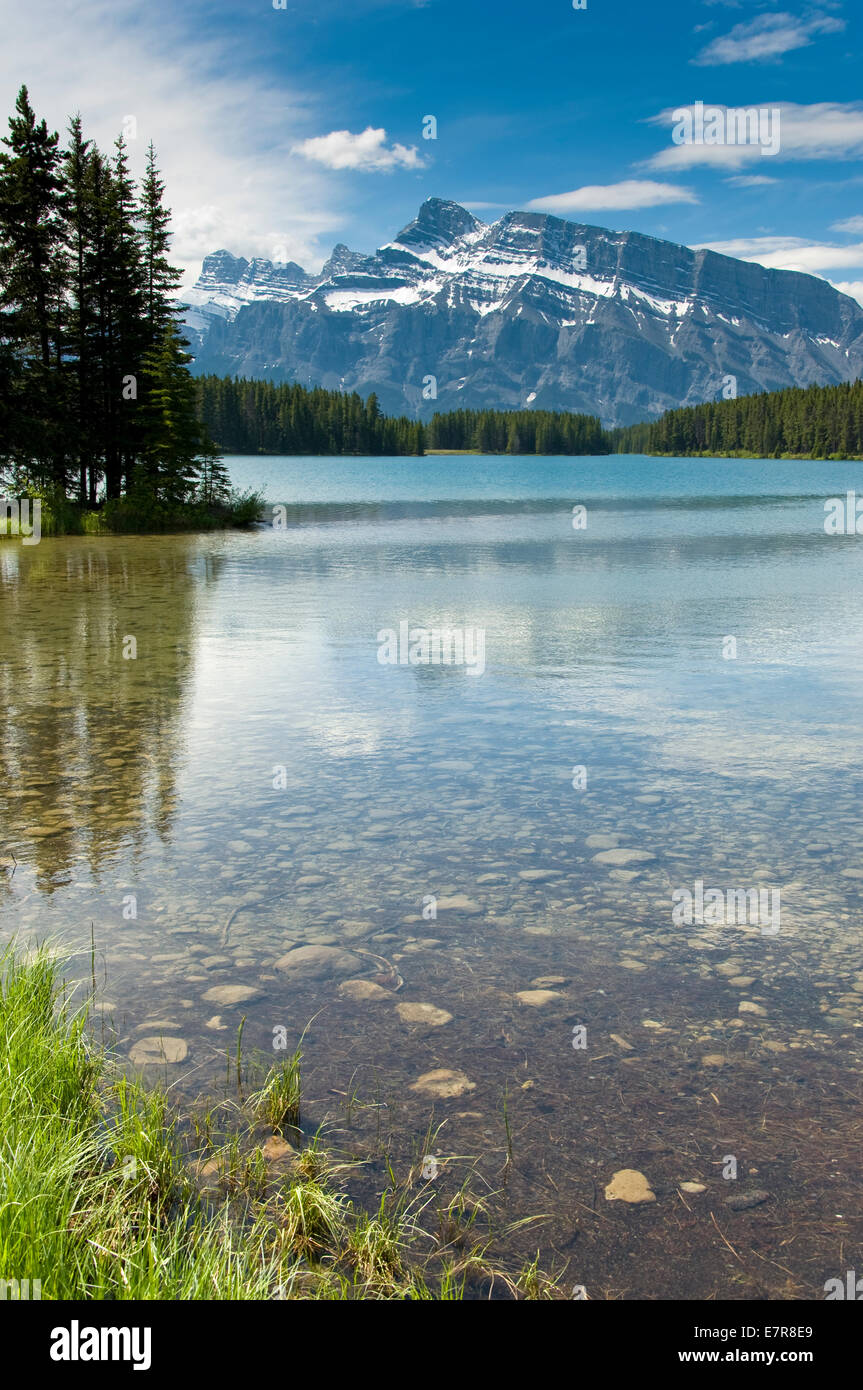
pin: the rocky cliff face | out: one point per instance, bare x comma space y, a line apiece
531, 311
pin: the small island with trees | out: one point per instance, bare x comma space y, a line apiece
98, 411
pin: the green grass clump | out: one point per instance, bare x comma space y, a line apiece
278, 1101
108, 1193
93, 1203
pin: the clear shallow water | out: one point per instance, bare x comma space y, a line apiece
153, 777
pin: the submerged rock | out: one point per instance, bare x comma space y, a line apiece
628, 1185
423, 1013
150, 1050
443, 1083
744, 1201
231, 994
363, 991
619, 858
318, 962
535, 998
276, 1149
458, 902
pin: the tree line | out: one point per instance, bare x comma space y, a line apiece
259, 417
97, 406
517, 432
796, 422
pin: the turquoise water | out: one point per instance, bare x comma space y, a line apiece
258, 782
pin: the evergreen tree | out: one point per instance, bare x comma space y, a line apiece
168, 464
161, 278
81, 307
31, 291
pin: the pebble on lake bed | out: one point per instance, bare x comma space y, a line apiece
744, 1201
318, 962
231, 994
458, 903
148, 1050
535, 998
628, 1185
363, 991
443, 1083
423, 1013
276, 1149
619, 858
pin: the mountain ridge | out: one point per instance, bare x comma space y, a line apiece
528, 311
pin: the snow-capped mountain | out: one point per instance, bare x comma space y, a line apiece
529, 311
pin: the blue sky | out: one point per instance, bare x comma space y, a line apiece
282, 131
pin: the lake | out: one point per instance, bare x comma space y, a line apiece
208, 765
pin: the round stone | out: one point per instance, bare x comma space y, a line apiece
153, 1050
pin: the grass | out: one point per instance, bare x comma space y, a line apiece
278, 1102
108, 1193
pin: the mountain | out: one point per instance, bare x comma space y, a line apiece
529, 311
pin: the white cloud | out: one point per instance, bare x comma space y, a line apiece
750, 180
367, 152
766, 38
850, 224
824, 130
223, 141
631, 193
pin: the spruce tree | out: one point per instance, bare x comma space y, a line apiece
31, 291
169, 458
161, 278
